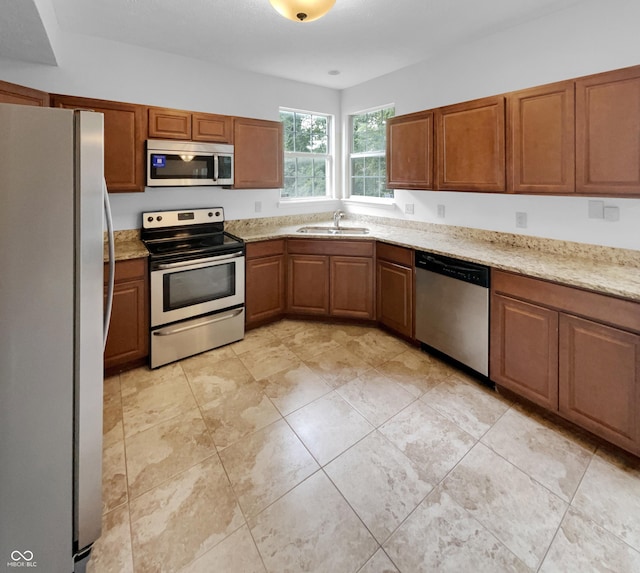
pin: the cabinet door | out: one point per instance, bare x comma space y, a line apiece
265, 289
128, 339
541, 130
599, 379
410, 151
470, 146
524, 349
308, 281
125, 130
169, 123
351, 287
395, 297
259, 154
608, 133
14, 93
210, 127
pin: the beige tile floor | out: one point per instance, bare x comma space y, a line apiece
324, 448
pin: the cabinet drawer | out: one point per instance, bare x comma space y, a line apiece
128, 270
330, 247
394, 254
265, 248
603, 308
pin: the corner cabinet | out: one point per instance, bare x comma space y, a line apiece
608, 133
265, 282
410, 151
128, 339
541, 140
575, 352
21, 95
470, 146
259, 154
125, 131
394, 288
328, 277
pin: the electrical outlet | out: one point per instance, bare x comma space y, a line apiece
596, 209
611, 213
521, 220
440, 211
408, 208
258, 206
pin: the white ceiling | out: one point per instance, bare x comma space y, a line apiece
362, 39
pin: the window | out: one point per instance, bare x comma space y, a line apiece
367, 158
307, 154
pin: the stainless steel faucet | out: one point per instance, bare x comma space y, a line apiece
336, 218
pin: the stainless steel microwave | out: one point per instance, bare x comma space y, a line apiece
182, 163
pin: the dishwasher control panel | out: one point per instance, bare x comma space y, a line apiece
462, 270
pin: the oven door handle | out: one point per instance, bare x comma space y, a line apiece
165, 266
170, 331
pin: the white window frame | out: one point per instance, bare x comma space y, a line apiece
349, 197
329, 158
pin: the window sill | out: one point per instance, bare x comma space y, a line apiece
376, 202
299, 201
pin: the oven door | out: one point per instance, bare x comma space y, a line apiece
187, 289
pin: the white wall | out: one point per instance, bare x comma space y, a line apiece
92, 67
590, 37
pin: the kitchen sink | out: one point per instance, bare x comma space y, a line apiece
319, 230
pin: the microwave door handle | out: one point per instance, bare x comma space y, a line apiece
215, 167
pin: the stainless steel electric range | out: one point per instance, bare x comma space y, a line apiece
197, 283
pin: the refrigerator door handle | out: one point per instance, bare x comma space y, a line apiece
112, 264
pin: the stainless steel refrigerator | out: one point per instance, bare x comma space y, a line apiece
51, 336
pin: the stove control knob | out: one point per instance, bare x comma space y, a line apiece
217, 213
210, 214
159, 218
149, 219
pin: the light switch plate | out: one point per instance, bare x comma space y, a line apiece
521, 220
258, 206
440, 211
408, 208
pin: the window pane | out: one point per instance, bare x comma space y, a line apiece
305, 134
368, 135
357, 166
357, 186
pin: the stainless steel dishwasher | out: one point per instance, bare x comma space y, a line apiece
452, 308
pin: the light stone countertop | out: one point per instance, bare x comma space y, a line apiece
601, 269
127, 246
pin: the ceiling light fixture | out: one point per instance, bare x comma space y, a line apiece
303, 10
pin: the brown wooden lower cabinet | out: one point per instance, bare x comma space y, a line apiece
351, 287
128, 340
308, 284
328, 277
600, 379
265, 282
524, 349
574, 352
394, 288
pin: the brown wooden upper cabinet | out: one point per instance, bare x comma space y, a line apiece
470, 146
540, 140
125, 129
608, 133
259, 154
178, 124
14, 93
410, 151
